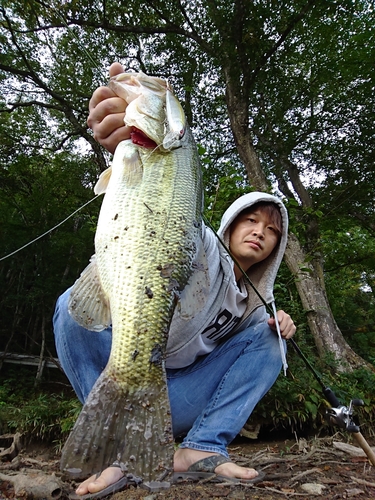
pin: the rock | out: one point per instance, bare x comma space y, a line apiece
353, 492
313, 488
354, 451
250, 431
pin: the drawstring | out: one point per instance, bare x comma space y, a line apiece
281, 343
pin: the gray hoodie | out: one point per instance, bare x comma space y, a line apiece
184, 331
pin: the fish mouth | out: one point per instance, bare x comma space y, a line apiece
138, 137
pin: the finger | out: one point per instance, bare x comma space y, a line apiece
286, 324
115, 69
101, 94
109, 124
271, 323
289, 330
111, 142
110, 106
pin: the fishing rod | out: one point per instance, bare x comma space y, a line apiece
338, 414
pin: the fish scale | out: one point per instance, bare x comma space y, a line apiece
146, 244
149, 214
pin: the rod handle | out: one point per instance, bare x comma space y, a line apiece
331, 398
365, 446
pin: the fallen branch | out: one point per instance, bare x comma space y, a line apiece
362, 481
36, 485
9, 453
286, 494
306, 473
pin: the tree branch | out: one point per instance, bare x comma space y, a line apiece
267, 55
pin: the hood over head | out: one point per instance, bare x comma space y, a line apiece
262, 274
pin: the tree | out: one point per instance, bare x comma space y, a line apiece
283, 89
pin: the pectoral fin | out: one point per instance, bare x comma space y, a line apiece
101, 185
88, 304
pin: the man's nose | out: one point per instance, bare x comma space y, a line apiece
258, 230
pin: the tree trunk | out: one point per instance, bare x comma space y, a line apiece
327, 335
322, 324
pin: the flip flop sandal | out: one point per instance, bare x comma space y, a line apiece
122, 483
205, 470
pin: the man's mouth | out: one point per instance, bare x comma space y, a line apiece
254, 244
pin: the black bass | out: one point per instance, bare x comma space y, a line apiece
146, 263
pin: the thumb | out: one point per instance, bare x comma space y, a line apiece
115, 69
271, 322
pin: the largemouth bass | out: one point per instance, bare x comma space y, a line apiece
147, 252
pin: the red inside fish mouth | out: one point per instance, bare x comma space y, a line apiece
140, 138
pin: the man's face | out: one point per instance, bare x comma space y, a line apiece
252, 238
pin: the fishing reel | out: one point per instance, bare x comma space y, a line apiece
341, 415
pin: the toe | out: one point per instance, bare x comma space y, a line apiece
98, 483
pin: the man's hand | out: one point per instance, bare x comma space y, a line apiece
107, 111
287, 327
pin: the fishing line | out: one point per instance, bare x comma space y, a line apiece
50, 230
70, 31
95, 63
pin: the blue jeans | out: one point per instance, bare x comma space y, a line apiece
210, 399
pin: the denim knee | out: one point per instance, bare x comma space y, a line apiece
83, 354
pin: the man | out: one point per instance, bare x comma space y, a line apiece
222, 361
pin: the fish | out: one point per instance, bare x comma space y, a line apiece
149, 264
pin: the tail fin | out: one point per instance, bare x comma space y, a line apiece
134, 428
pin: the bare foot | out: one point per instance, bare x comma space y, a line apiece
185, 457
93, 484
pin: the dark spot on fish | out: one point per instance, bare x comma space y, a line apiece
145, 204
152, 233
126, 228
116, 238
173, 285
135, 354
166, 271
196, 224
149, 292
115, 217
156, 356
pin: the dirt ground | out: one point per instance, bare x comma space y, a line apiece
294, 468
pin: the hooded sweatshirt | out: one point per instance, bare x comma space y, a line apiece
229, 306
